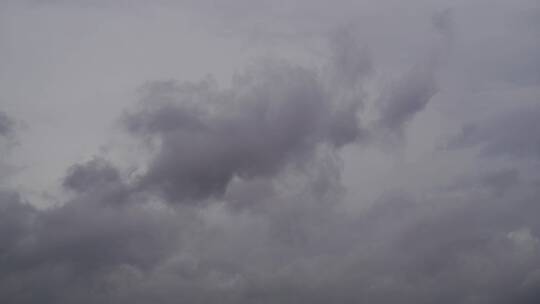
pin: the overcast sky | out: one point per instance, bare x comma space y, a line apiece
301, 151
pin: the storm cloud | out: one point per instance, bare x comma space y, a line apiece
192, 152
274, 116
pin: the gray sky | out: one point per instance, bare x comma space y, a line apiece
269, 151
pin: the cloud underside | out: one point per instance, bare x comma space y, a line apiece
242, 198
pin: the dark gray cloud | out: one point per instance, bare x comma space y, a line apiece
482, 249
6, 124
239, 195
8, 139
401, 101
65, 253
16, 217
95, 174
274, 117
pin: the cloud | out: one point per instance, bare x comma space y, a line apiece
408, 96
267, 191
6, 124
95, 174
62, 252
292, 251
114, 230
274, 117
511, 134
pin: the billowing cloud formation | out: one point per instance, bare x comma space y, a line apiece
274, 189
78, 244
274, 116
296, 247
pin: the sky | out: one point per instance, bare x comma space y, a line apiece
260, 152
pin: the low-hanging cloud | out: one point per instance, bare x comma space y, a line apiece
274, 116
274, 189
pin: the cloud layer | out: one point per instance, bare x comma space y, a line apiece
280, 185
